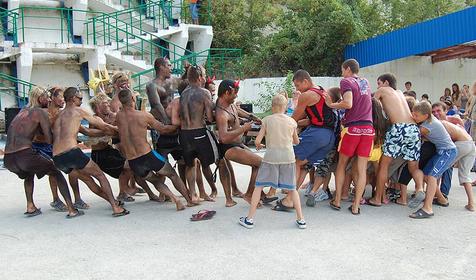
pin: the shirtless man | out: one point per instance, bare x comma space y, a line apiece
119, 81
401, 140
230, 132
22, 160
146, 163
69, 158
465, 159
197, 141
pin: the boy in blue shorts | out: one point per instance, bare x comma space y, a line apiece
278, 169
433, 130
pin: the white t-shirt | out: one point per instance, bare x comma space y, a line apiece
279, 130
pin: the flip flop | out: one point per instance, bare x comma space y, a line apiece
421, 214
281, 207
333, 206
267, 200
355, 214
436, 202
59, 206
34, 213
416, 200
78, 214
120, 214
81, 205
203, 215
373, 204
125, 198
139, 190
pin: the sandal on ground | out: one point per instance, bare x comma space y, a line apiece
421, 214
281, 207
353, 213
59, 206
267, 200
203, 215
416, 200
81, 205
469, 208
34, 213
373, 204
125, 198
333, 206
120, 214
436, 202
78, 214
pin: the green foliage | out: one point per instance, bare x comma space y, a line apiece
281, 35
269, 89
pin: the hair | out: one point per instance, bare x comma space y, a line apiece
279, 101
334, 93
423, 108
408, 83
301, 75
352, 64
410, 101
161, 61
34, 95
125, 96
182, 86
195, 72
425, 96
98, 99
70, 93
224, 86
390, 78
55, 91
447, 92
456, 93
449, 103
440, 104
119, 77
410, 93
379, 122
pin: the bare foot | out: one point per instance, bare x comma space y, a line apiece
371, 202
179, 205
192, 204
304, 185
230, 203
248, 199
214, 194
469, 207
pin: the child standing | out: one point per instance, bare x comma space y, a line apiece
278, 169
433, 130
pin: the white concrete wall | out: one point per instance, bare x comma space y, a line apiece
426, 77
64, 75
251, 88
43, 26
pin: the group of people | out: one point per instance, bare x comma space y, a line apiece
380, 138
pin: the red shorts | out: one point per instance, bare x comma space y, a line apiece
357, 141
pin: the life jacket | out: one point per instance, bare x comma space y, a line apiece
320, 114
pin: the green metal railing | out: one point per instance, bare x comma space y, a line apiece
204, 12
14, 87
128, 39
222, 63
8, 24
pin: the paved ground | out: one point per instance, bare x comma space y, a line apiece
156, 242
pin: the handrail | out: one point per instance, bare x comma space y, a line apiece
204, 12
11, 19
22, 88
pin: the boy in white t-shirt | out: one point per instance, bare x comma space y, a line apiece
278, 169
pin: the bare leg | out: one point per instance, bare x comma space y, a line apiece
207, 172
226, 182
92, 169
417, 175
327, 180
168, 171
246, 157
297, 203
190, 175
28, 184
234, 186
74, 183
346, 187
469, 192
123, 186
340, 175
382, 178
430, 194
439, 196
143, 184
201, 187
154, 179
255, 198
361, 164
300, 171
318, 181
54, 188
402, 200
63, 188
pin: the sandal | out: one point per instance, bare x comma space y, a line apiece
421, 214
267, 200
373, 204
125, 198
34, 213
203, 215
436, 202
78, 214
333, 206
81, 205
120, 214
350, 209
59, 206
281, 207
